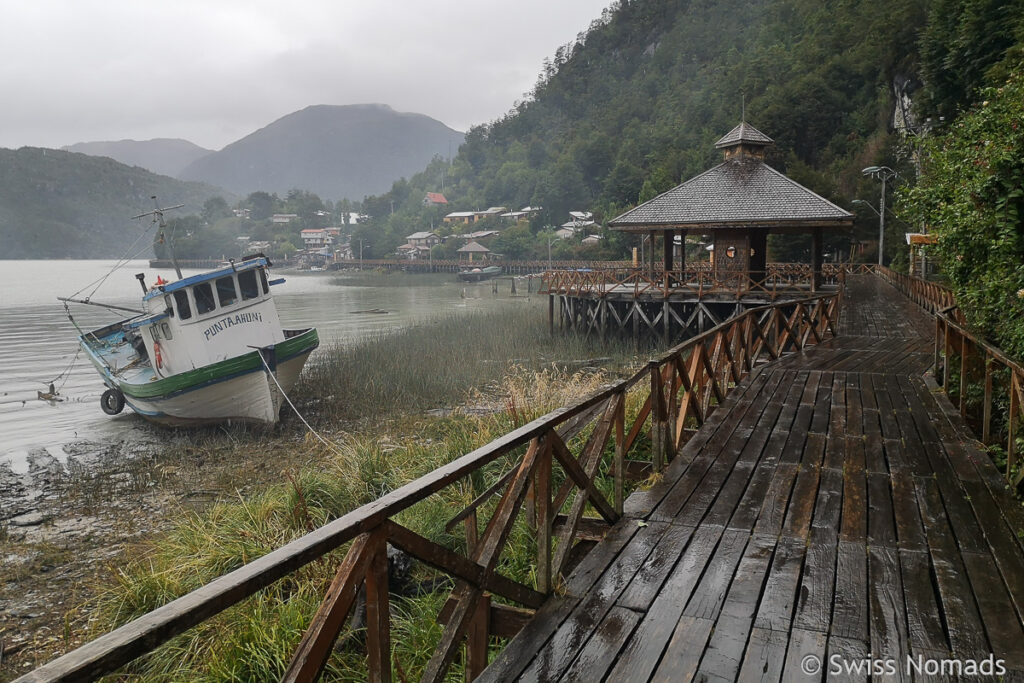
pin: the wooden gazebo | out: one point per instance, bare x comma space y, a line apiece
739, 203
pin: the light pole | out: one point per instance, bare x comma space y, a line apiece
883, 173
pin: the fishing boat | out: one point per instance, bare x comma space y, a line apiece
206, 348
478, 274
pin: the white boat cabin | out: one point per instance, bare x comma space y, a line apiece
208, 318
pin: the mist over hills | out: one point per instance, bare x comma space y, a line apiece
165, 156
337, 152
59, 204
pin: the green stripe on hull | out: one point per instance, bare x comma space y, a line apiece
217, 372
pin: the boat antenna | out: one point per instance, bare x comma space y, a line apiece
158, 218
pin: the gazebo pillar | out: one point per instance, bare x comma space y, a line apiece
815, 259
669, 247
650, 262
682, 249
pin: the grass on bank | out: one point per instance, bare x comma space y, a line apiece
453, 356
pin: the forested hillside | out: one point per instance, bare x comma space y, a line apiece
165, 156
56, 204
634, 105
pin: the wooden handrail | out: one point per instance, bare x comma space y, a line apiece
954, 340
676, 392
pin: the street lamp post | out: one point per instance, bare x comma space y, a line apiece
883, 173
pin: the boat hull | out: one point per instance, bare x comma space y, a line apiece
240, 389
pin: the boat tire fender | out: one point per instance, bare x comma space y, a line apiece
112, 401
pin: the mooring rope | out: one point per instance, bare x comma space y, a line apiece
330, 444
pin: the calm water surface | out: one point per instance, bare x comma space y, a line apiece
38, 342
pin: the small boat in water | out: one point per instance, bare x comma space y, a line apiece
478, 274
206, 348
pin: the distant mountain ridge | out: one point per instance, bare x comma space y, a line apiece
58, 204
335, 151
164, 156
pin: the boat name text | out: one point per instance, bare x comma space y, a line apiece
231, 321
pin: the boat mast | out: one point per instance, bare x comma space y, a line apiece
158, 217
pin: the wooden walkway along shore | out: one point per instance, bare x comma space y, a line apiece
835, 505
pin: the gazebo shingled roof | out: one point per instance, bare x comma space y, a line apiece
741, 192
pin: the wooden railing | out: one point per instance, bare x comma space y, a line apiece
696, 280
546, 474
976, 361
930, 296
981, 361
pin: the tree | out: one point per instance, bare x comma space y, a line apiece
971, 194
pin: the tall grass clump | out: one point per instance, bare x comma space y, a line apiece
438, 363
255, 639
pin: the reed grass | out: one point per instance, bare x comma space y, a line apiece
255, 639
445, 362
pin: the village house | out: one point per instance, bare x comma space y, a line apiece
418, 245
434, 199
318, 238
283, 218
466, 217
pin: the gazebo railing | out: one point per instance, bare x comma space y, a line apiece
696, 280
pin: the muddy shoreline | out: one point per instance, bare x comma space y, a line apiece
67, 523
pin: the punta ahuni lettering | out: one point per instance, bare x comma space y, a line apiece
231, 321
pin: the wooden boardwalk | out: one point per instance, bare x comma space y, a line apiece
834, 505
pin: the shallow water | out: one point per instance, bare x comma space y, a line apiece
38, 342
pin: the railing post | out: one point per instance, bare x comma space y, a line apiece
986, 419
542, 493
1011, 441
657, 410
619, 464
935, 361
948, 351
964, 344
378, 613
477, 639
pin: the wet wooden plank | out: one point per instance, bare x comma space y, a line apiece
888, 618
776, 609
707, 599
1002, 625
519, 652
1002, 542
806, 648
907, 515
814, 596
801, 503
558, 652
725, 649
924, 621
683, 654
854, 524
963, 622
765, 656
641, 654
598, 655
850, 606
773, 508
847, 652
642, 590
881, 519
828, 508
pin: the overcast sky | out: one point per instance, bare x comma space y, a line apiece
213, 71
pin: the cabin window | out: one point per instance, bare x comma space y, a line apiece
165, 329
247, 283
204, 298
263, 281
181, 303
226, 292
